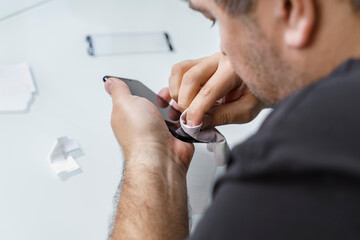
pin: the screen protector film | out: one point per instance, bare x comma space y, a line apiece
129, 43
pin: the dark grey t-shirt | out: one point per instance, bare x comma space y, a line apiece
299, 176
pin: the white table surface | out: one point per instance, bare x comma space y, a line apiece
71, 101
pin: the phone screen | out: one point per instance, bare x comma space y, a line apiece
169, 113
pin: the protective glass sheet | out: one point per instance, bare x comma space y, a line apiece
129, 43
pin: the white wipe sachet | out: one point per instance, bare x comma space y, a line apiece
17, 87
215, 140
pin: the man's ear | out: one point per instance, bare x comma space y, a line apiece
299, 17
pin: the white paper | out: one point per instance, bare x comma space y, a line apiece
16, 87
60, 158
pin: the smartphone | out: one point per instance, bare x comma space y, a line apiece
170, 114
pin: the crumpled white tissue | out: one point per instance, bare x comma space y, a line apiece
59, 157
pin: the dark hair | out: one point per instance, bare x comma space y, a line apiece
236, 6
245, 6
356, 4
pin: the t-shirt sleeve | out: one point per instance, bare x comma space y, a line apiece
283, 209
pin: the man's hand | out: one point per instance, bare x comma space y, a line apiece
139, 126
210, 85
153, 202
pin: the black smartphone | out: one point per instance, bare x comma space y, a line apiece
169, 113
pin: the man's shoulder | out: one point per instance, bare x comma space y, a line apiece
335, 95
329, 100
315, 130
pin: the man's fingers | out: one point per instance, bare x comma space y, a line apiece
216, 88
240, 111
194, 79
118, 90
165, 94
176, 76
163, 98
173, 114
236, 93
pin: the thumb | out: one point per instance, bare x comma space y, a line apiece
117, 89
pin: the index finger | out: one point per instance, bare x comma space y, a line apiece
163, 98
177, 72
220, 84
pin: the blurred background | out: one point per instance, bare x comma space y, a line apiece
69, 100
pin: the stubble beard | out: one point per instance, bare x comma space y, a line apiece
269, 77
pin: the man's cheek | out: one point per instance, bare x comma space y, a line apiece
222, 48
230, 45
227, 46
224, 40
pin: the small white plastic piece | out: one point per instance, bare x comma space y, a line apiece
59, 157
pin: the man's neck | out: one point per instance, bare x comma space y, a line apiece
337, 40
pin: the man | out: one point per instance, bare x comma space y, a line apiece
298, 177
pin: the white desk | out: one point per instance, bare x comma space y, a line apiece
34, 202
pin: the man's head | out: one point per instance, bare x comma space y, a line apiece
280, 46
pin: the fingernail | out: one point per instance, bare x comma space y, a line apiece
190, 123
109, 86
